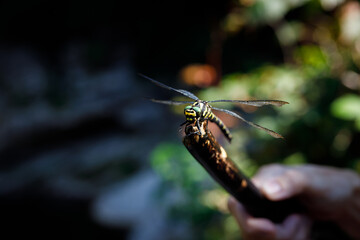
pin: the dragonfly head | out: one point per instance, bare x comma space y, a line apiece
192, 113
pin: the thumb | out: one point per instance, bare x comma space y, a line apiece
286, 185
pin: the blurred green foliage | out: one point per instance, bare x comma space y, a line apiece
347, 107
319, 77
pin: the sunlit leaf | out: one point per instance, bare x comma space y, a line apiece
314, 60
346, 107
296, 158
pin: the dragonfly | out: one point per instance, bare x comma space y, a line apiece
200, 110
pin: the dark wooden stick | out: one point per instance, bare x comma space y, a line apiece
212, 156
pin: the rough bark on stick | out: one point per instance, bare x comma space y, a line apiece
212, 156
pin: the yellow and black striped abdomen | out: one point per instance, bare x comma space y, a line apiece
220, 124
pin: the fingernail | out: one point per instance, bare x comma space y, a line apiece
272, 188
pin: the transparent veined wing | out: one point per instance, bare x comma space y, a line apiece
181, 91
170, 102
270, 132
256, 103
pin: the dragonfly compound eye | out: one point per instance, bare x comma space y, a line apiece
197, 109
190, 114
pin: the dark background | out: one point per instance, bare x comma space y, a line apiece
75, 127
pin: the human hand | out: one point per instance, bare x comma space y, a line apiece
294, 227
326, 193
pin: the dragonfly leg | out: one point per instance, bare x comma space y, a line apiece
198, 125
191, 133
183, 123
207, 125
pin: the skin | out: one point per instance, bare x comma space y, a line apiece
327, 193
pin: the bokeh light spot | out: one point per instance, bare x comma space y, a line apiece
201, 75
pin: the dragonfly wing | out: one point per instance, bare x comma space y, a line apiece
256, 103
169, 102
181, 91
270, 132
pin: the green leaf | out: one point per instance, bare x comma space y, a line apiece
347, 107
294, 159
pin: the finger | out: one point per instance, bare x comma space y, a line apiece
295, 227
252, 228
287, 229
259, 228
304, 228
238, 211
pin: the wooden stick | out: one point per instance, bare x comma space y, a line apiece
212, 156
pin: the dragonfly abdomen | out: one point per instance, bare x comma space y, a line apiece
213, 118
